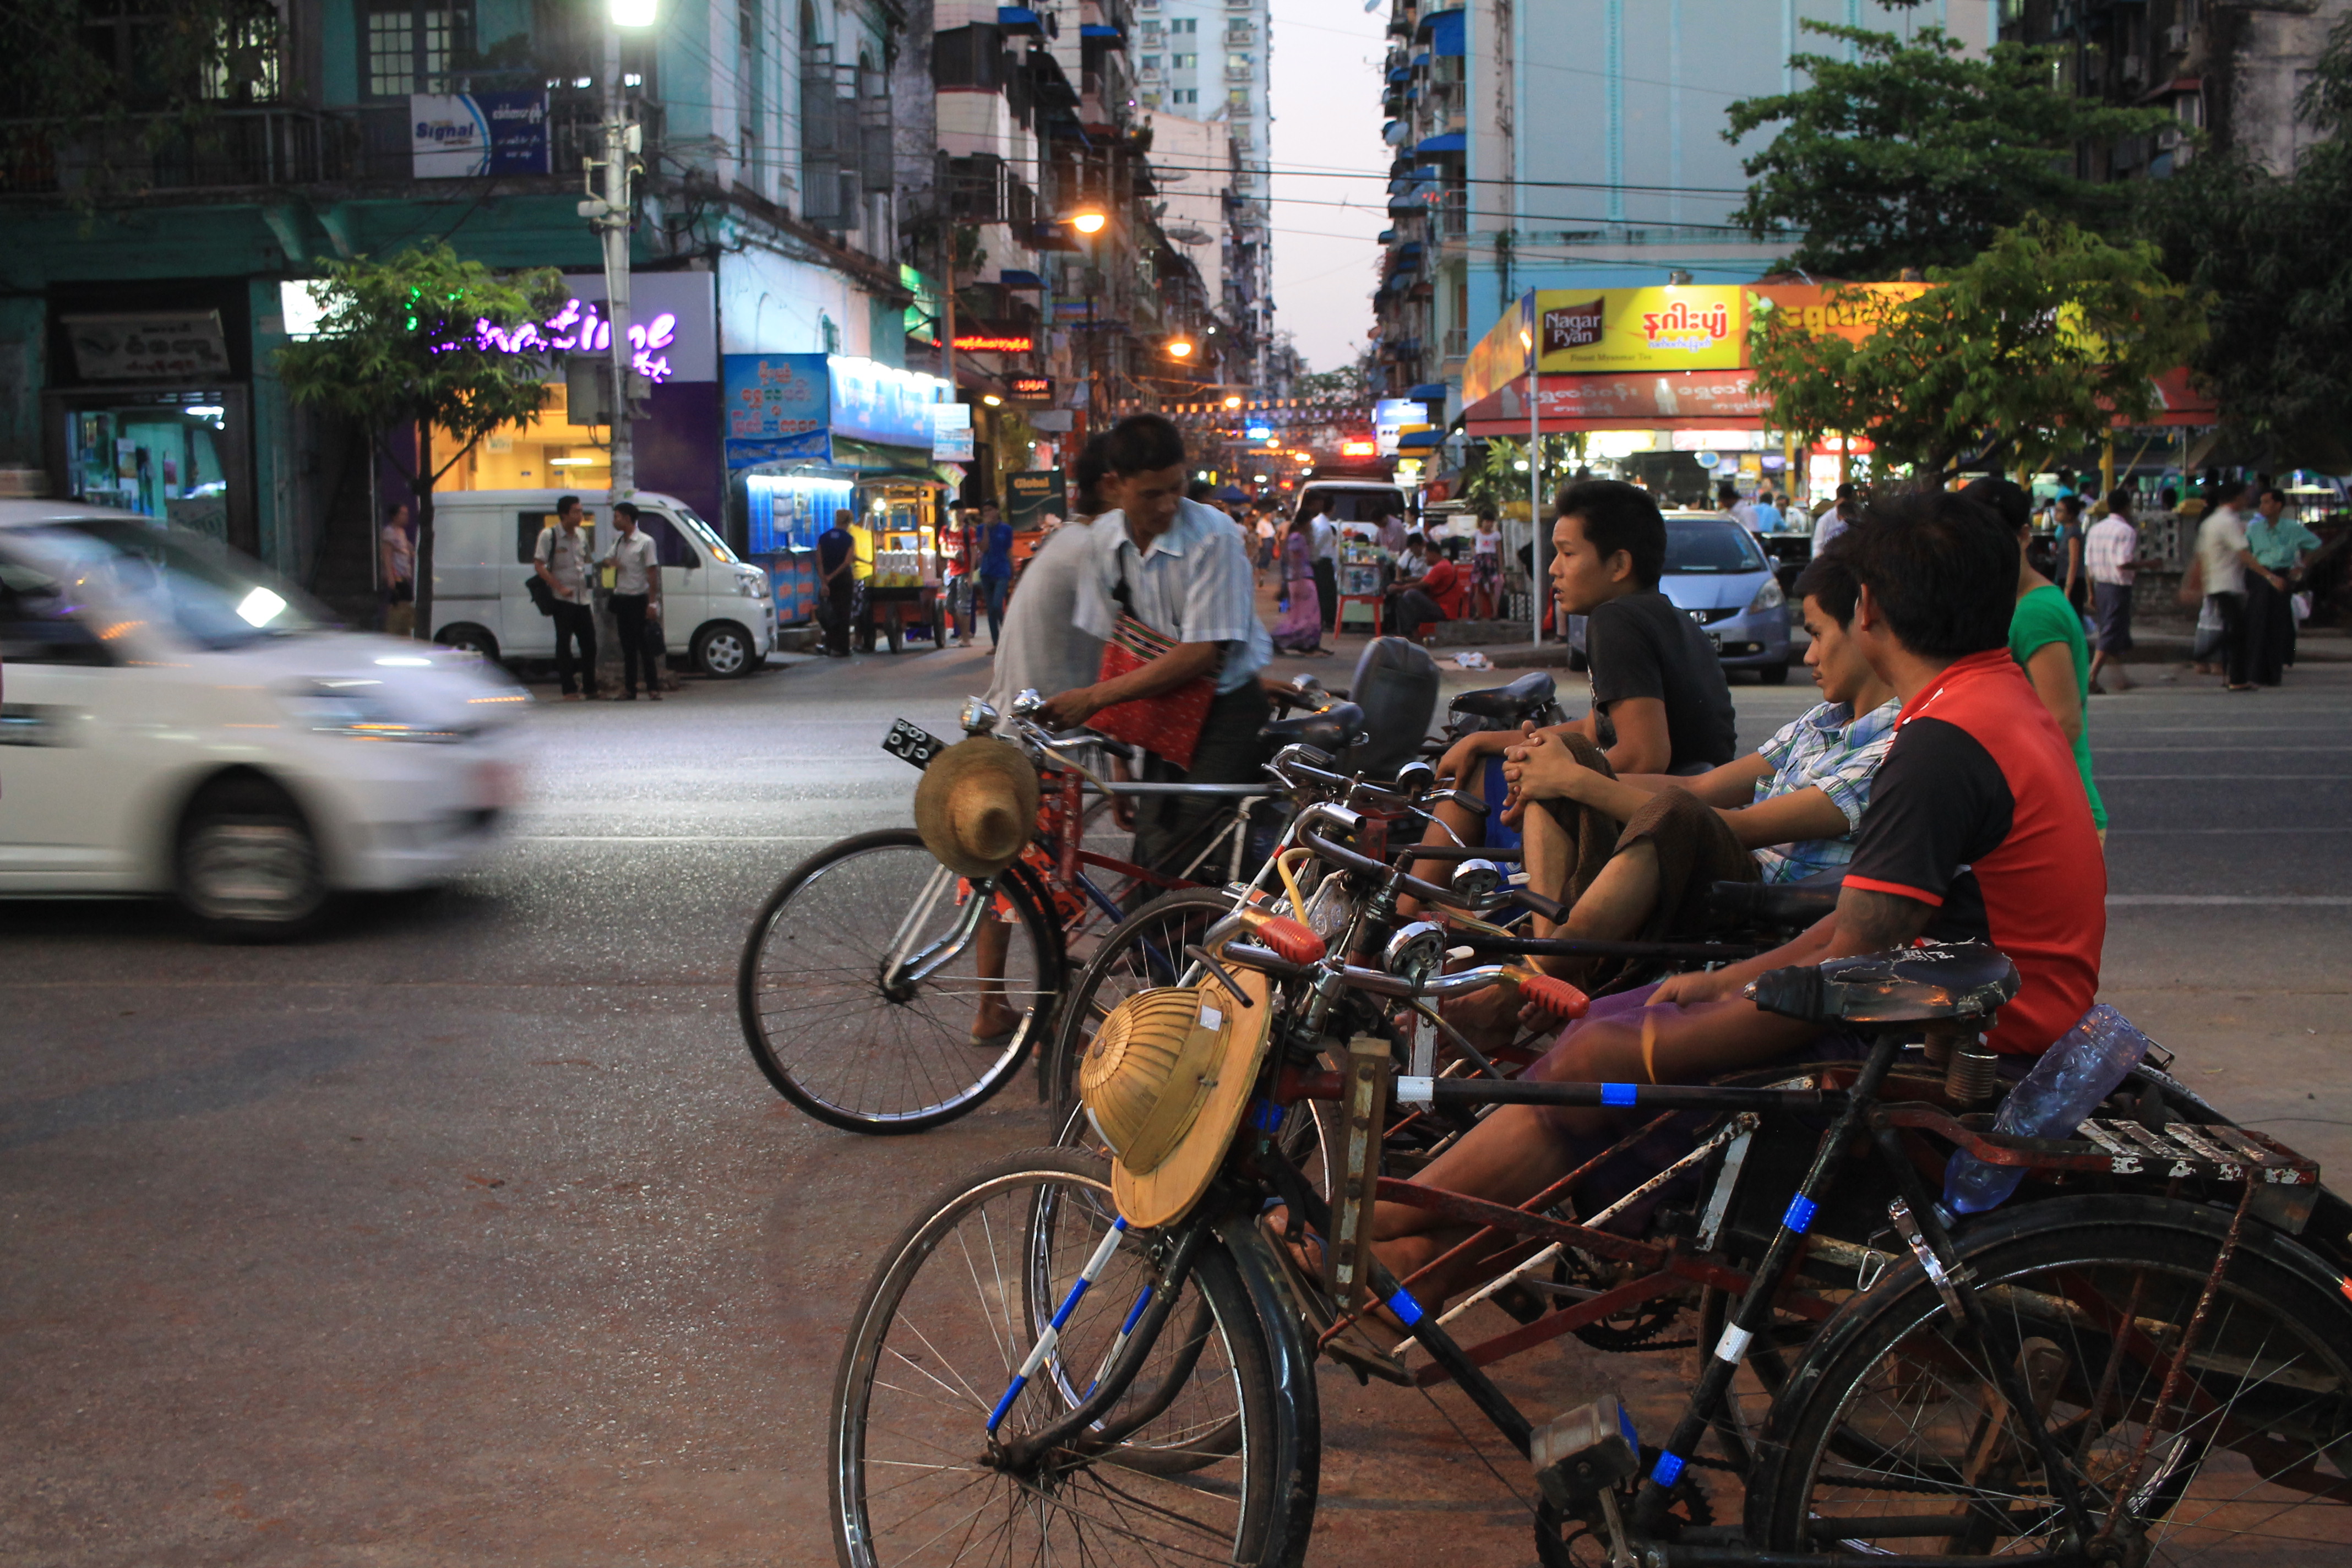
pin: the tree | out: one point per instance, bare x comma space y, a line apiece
1496, 477
422, 340
2269, 251
1914, 154
2048, 338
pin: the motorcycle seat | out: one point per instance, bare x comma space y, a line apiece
1528, 695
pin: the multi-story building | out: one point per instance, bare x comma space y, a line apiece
2230, 71
1577, 144
1202, 61
766, 223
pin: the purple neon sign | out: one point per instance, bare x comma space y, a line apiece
577, 326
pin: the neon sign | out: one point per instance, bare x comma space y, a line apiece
995, 342
578, 327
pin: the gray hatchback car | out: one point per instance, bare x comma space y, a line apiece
1720, 577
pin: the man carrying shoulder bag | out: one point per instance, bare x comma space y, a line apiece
1171, 592
562, 560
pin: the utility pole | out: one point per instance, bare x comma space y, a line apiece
609, 215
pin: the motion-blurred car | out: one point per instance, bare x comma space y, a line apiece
1720, 577
174, 721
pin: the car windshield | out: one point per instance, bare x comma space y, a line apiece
1366, 505
214, 596
703, 531
1710, 545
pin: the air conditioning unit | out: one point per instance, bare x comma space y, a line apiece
2175, 38
2167, 138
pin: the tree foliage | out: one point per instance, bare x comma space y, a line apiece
2269, 251
2049, 337
1494, 477
1915, 152
401, 346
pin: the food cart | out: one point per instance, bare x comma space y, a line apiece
897, 539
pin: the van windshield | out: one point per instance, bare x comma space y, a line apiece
1369, 503
704, 532
215, 597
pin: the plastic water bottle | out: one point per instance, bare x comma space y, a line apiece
2065, 1086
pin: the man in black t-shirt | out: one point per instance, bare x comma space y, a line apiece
836, 583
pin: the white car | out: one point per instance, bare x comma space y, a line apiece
174, 722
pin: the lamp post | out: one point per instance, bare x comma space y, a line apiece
610, 217
1537, 564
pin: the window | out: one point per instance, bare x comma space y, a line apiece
409, 47
1238, 97
1151, 101
670, 547
1185, 24
1183, 62
1151, 62
38, 626
1239, 62
1185, 95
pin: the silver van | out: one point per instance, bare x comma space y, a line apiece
717, 607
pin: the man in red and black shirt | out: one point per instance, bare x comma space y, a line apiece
1978, 827
1437, 595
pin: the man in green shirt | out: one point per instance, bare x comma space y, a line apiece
2278, 544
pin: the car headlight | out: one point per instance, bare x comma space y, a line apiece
1770, 597
752, 585
350, 709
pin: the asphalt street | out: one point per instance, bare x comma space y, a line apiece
466, 1232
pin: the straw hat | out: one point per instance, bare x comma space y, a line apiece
977, 805
1165, 1083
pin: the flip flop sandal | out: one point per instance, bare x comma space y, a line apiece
1351, 1347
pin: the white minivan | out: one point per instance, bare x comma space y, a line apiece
717, 607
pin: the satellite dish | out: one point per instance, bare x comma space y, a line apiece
1188, 236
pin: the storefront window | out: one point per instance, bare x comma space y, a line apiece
543, 452
164, 455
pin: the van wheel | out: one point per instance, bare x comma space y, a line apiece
248, 864
470, 639
722, 650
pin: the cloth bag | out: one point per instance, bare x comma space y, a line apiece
1168, 725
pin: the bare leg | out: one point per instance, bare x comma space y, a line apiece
990, 945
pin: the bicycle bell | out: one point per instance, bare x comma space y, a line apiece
1416, 955
978, 718
1028, 702
1413, 778
1476, 880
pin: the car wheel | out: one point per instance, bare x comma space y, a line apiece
1773, 674
250, 869
470, 638
722, 650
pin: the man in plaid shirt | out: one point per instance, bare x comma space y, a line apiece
2110, 551
1786, 812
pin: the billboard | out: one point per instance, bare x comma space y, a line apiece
452, 136
1686, 327
776, 408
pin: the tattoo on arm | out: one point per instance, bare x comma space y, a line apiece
1869, 921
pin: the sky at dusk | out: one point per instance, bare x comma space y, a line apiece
1327, 117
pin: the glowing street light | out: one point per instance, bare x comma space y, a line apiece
1180, 348
1085, 220
992, 399
632, 12
1233, 402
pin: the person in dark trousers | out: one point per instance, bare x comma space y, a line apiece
1323, 549
836, 554
636, 596
563, 558
2223, 560
2275, 544
995, 569
1183, 570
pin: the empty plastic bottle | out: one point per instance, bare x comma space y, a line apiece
2065, 1086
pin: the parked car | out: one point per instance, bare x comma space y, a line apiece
174, 722
717, 609
1719, 576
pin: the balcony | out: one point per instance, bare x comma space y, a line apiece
1240, 72
248, 149
1457, 343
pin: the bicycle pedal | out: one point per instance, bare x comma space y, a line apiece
1584, 1453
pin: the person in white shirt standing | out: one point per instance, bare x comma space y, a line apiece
1183, 570
2223, 557
1323, 548
397, 549
636, 596
2111, 554
562, 560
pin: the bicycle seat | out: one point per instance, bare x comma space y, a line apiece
1531, 693
1731, 905
1936, 980
1334, 730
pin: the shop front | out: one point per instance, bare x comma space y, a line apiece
813, 437
151, 411
675, 333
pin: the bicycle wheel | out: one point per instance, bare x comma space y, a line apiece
1893, 1437
837, 1037
1222, 1473
1143, 951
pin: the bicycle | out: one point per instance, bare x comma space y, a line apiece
2121, 1372
862, 968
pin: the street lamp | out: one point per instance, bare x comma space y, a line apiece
1180, 347
632, 12
623, 141
1233, 401
1085, 220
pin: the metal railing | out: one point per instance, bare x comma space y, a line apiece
233, 149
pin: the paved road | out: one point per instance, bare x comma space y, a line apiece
468, 1233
